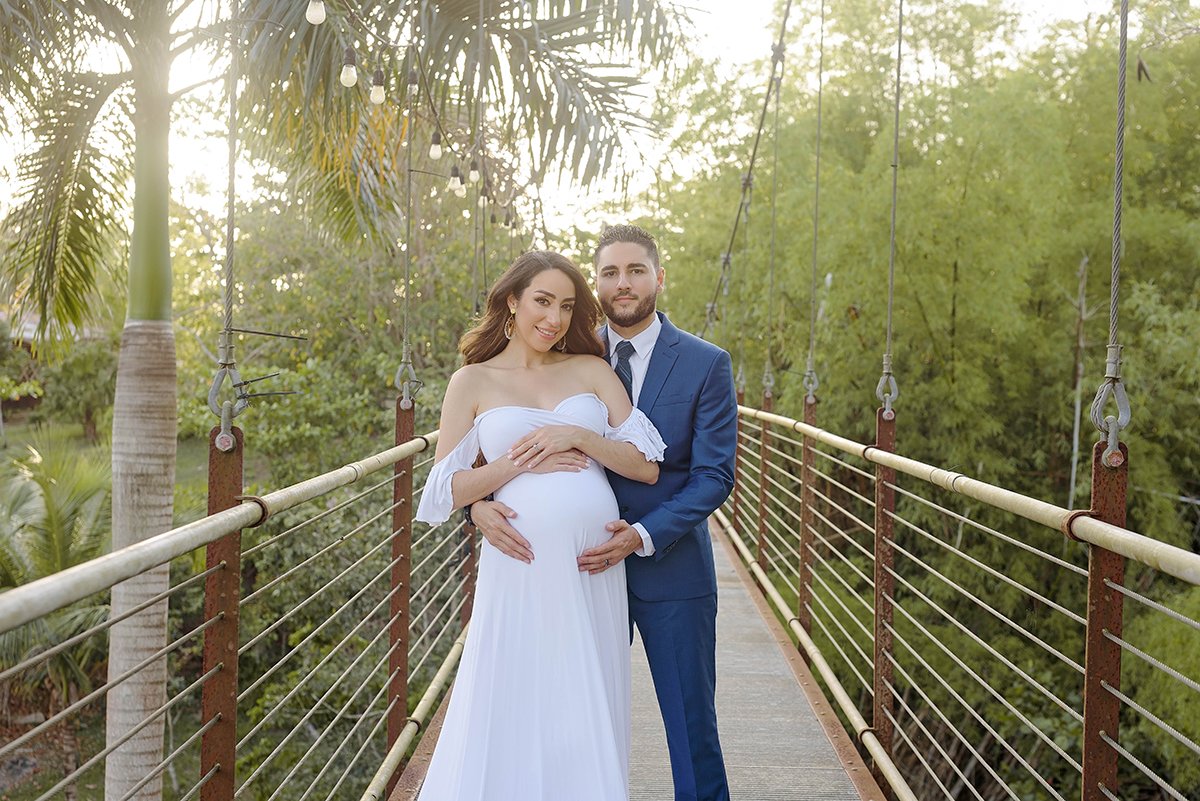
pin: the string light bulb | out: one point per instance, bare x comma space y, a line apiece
507, 218
377, 95
349, 76
315, 13
457, 185
473, 176
483, 199
435, 146
492, 219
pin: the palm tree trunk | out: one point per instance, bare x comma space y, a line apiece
144, 425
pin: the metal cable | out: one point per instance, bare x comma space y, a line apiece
991, 571
450, 576
451, 619
1109, 794
937, 710
308, 599
810, 381
448, 539
261, 766
776, 57
174, 755
358, 754
869, 660
849, 491
886, 390
1137, 763
858, 546
383, 686
1134, 596
10, 747
1049, 557
429, 531
952, 620
996, 613
799, 443
1112, 386
1191, 684
899, 729
820, 561
458, 590
992, 691
853, 567
270, 541
868, 633
332, 760
42, 656
200, 784
307, 639
833, 641
861, 523
1179, 736
254, 596
768, 379
97, 758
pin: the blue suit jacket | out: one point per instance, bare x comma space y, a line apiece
688, 394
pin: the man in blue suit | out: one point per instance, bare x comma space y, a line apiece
685, 386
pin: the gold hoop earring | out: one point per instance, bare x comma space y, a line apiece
508, 325
562, 345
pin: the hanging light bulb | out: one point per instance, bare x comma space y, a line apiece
349, 75
492, 219
315, 14
457, 186
435, 146
461, 189
507, 218
482, 201
473, 176
377, 88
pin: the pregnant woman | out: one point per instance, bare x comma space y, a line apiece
540, 707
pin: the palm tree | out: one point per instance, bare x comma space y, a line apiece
97, 131
53, 510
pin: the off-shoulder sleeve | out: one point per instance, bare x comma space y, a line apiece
437, 501
638, 429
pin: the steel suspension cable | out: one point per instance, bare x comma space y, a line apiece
776, 52
887, 390
768, 379
1112, 386
406, 376
810, 381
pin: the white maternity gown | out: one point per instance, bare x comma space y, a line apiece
540, 709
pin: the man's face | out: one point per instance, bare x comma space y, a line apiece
627, 283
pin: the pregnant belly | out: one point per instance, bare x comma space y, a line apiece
570, 509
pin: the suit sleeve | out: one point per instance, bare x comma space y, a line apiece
710, 478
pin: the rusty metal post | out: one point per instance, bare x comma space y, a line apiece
760, 553
1102, 660
222, 592
401, 577
806, 539
885, 559
738, 475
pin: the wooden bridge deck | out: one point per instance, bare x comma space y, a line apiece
778, 746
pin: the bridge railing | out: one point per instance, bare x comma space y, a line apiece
303, 625
975, 650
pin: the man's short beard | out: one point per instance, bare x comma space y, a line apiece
641, 311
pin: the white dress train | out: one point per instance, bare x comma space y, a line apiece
540, 709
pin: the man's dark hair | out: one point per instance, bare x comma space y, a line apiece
626, 233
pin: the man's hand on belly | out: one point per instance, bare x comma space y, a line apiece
625, 540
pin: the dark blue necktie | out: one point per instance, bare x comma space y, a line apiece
623, 368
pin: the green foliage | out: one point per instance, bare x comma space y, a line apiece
80, 386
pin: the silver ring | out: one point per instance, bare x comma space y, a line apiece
606, 563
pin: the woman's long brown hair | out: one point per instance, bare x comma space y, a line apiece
487, 338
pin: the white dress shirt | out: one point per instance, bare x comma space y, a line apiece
639, 362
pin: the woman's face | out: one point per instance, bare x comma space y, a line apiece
543, 312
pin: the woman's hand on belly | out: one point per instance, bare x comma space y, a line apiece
571, 461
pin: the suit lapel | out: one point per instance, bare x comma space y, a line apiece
662, 359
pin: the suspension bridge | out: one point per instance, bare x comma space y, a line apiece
853, 582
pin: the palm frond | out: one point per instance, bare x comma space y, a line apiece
70, 207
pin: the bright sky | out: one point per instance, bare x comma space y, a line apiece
736, 31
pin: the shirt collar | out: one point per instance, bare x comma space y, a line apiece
643, 342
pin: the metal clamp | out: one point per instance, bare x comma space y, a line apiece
261, 503
407, 381
810, 382
227, 371
887, 390
1069, 522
